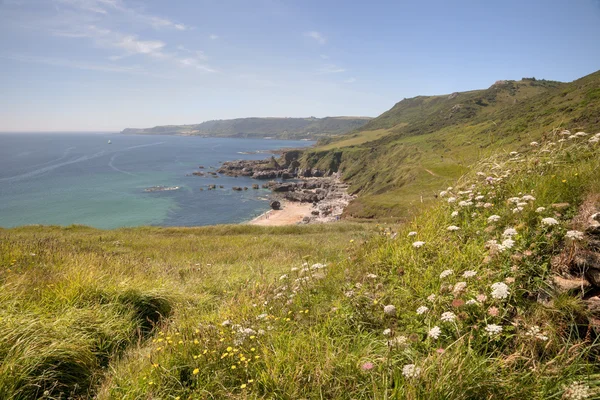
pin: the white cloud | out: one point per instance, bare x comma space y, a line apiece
331, 69
350, 80
212, 36
132, 45
316, 36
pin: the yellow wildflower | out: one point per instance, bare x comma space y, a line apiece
196, 371
243, 386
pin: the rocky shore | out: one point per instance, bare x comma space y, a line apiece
324, 190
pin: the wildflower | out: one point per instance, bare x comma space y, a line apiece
431, 298
451, 199
411, 371
413, 233
454, 214
500, 290
446, 273
517, 210
459, 287
389, 310
493, 311
318, 266
226, 323
387, 332
534, 144
367, 366
465, 203
493, 218
398, 341
540, 210
549, 221
422, 310
243, 386
493, 329
487, 205
479, 198
536, 332
371, 276
448, 316
481, 298
513, 200
434, 332
443, 193
472, 302
282, 277
453, 228
509, 280
469, 274
195, 371
509, 232
574, 235
576, 391
418, 244
508, 243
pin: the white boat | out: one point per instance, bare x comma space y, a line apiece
109, 142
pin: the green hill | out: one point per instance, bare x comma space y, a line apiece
405, 155
277, 128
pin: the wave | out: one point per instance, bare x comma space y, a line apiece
110, 164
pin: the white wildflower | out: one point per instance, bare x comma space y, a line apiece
451, 199
448, 316
576, 391
522, 204
389, 310
528, 197
493, 218
318, 266
507, 244
413, 233
472, 302
469, 274
509, 232
487, 205
349, 293
422, 310
574, 235
387, 332
500, 290
540, 210
294, 269
434, 332
282, 277
411, 371
453, 228
549, 221
480, 197
443, 193
493, 329
226, 323
517, 210
459, 287
454, 214
446, 273
513, 200
464, 203
371, 276
534, 144
418, 244
431, 298
398, 341
537, 333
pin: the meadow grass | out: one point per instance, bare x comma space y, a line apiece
323, 311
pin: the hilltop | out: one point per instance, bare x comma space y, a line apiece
276, 128
399, 159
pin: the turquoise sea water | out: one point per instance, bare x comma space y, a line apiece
64, 179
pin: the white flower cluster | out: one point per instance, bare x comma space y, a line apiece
448, 316
509, 232
500, 290
576, 391
549, 221
418, 244
493, 218
446, 273
413, 233
390, 310
540, 210
469, 274
431, 298
574, 235
453, 228
422, 310
537, 333
434, 332
493, 329
459, 287
411, 371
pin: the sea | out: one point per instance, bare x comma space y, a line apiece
66, 178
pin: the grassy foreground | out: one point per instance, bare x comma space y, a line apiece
442, 307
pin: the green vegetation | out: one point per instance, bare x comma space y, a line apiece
276, 128
398, 160
298, 312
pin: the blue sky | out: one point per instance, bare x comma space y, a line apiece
97, 65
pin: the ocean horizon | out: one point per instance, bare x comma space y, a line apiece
66, 178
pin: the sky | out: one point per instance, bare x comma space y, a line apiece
105, 65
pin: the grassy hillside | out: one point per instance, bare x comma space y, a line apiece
401, 158
298, 312
278, 128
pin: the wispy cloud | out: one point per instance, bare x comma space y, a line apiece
64, 62
316, 36
350, 80
331, 69
212, 36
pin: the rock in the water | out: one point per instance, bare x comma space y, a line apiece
275, 205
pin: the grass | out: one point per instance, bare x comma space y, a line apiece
383, 160
297, 312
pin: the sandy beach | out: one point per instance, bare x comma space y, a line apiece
289, 214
